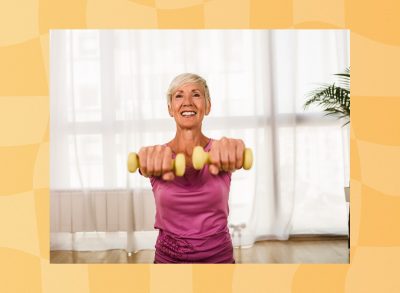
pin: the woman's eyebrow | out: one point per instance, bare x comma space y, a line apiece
181, 91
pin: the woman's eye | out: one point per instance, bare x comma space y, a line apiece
197, 95
178, 96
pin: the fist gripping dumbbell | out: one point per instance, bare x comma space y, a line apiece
200, 158
178, 164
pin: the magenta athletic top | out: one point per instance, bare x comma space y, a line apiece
192, 217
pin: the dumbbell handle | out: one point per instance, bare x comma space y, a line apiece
178, 164
200, 158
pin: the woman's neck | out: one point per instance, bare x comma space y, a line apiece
186, 139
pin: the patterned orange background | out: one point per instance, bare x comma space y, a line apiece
24, 145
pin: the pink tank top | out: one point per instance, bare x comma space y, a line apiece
191, 215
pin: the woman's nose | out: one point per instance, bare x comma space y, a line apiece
187, 100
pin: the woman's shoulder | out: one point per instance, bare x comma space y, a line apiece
209, 144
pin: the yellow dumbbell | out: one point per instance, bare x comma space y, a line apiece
200, 158
178, 164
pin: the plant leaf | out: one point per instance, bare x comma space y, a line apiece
333, 99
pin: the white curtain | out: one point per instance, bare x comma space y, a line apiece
108, 98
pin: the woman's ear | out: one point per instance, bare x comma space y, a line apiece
170, 110
208, 106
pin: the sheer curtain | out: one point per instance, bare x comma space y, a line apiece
108, 98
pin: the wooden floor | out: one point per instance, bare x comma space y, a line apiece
291, 251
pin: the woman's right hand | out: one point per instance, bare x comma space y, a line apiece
156, 161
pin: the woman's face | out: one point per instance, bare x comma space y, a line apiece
189, 105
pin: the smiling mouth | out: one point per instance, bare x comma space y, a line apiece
188, 113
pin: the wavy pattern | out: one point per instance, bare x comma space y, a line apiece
24, 23
376, 20
22, 70
310, 11
24, 151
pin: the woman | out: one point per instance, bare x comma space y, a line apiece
192, 210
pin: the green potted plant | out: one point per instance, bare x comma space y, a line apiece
334, 99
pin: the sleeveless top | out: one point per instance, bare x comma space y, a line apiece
192, 216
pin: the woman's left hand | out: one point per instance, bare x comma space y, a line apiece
226, 154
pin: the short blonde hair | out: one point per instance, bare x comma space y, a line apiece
185, 78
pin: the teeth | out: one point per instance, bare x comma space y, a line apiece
188, 113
